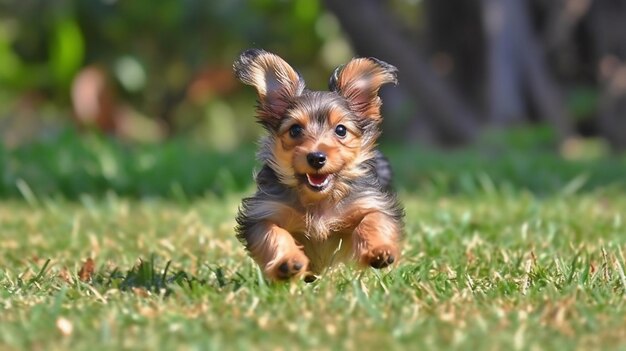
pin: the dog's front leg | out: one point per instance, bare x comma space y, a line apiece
275, 250
376, 239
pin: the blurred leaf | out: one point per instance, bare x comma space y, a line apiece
130, 72
86, 271
221, 127
67, 50
10, 64
306, 10
583, 101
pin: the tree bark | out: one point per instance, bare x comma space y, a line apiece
456, 44
519, 78
609, 33
505, 102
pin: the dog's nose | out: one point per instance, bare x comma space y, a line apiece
316, 159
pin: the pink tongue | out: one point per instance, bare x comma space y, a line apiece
317, 179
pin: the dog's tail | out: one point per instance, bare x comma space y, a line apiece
383, 170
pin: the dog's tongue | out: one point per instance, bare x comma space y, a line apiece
317, 179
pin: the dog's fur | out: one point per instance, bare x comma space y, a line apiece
307, 215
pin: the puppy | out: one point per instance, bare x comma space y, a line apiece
323, 191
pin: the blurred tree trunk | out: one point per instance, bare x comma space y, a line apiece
519, 81
608, 23
518, 84
506, 103
562, 24
457, 46
373, 32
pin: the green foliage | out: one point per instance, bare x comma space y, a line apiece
66, 51
44, 44
583, 102
70, 166
10, 64
41, 47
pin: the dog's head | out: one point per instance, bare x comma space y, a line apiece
317, 141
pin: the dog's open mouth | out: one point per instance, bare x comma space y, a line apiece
318, 182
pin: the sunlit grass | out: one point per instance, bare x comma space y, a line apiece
485, 270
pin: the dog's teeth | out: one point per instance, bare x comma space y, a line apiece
318, 181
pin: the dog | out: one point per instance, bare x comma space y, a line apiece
323, 193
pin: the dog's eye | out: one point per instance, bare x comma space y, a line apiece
341, 130
295, 130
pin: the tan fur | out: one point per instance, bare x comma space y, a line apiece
359, 82
375, 235
343, 154
276, 83
270, 74
362, 228
271, 245
295, 228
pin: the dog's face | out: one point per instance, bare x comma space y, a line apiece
317, 140
317, 144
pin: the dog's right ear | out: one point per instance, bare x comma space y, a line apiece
359, 81
275, 81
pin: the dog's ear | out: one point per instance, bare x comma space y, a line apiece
275, 81
359, 81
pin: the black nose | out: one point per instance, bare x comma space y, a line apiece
316, 159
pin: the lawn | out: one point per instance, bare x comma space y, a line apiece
107, 246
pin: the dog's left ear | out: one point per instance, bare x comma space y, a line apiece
359, 81
276, 82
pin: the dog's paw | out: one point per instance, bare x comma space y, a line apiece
289, 267
381, 256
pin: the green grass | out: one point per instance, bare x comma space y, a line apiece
516, 251
69, 167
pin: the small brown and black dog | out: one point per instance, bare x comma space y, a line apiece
323, 192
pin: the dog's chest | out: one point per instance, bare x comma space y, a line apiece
319, 222
319, 226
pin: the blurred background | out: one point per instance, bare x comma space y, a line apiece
139, 97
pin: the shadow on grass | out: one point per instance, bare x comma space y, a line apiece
70, 166
147, 276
